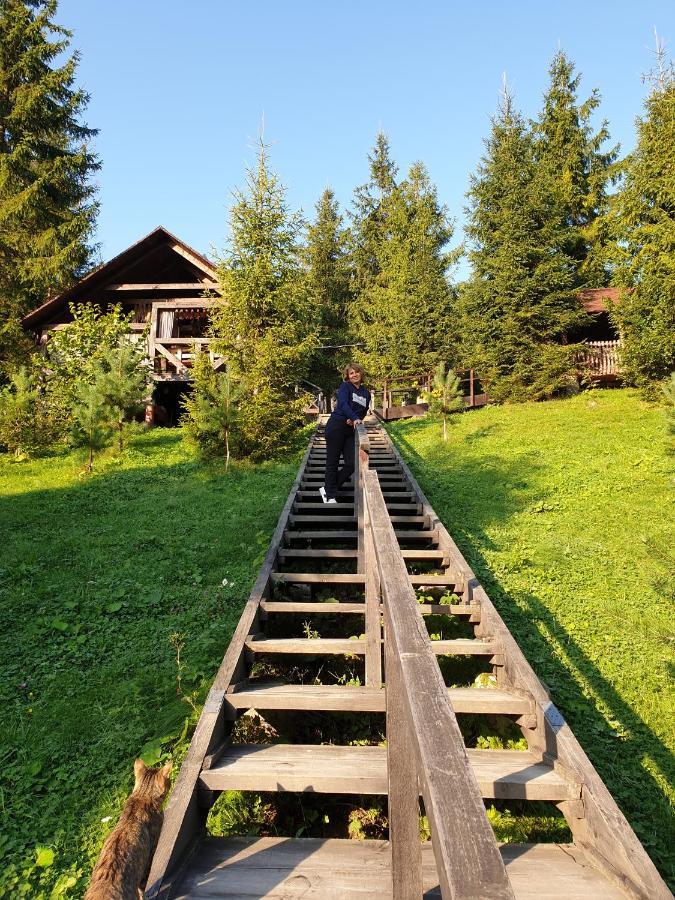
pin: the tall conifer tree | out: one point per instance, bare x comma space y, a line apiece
519, 305
369, 221
47, 199
329, 288
401, 307
643, 217
575, 171
265, 322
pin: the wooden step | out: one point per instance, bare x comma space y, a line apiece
326, 507
318, 578
326, 518
327, 553
464, 647
279, 868
421, 555
331, 769
488, 701
307, 646
409, 520
313, 608
406, 534
432, 581
328, 535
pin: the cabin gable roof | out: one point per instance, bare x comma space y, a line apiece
158, 257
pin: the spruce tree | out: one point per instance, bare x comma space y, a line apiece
264, 324
369, 218
329, 290
518, 306
575, 171
47, 198
643, 219
401, 310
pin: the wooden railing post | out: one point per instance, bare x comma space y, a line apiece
426, 751
403, 788
367, 562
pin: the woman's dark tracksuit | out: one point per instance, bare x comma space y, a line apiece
352, 403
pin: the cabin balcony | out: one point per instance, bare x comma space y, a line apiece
601, 359
177, 335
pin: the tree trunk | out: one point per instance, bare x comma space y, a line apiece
445, 428
91, 457
227, 449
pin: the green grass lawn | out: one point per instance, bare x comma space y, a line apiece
564, 510
118, 595
115, 613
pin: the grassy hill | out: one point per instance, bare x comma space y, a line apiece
564, 510
118, 595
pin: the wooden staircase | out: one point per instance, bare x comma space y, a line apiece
363, 549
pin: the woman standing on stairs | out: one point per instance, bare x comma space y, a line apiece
353, 400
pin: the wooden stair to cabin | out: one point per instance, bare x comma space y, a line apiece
356, 566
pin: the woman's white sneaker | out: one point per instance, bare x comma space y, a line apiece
322, 491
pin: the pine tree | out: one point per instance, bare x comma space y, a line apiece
264, 324
91, 417
329, 289
643, 219
212, 411
47, 199
574, 171
518, 306
123, 383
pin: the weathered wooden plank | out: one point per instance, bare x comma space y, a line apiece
466, 854
315, 608
164, 286
318, 578
167, 354
373, 607
474, 701
325, 519
314, 869
307, 646
329, 768
337, 698
402, 782
341, 535
307, 553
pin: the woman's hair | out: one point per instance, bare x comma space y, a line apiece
355, 367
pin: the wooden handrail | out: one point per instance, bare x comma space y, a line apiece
425, 748
365, 551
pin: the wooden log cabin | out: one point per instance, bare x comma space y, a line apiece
169, 287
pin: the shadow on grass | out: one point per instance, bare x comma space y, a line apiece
622, 760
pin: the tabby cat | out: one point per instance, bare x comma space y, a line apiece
124, 862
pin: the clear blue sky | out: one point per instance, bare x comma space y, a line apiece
178, 90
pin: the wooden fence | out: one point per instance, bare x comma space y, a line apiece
602, 359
